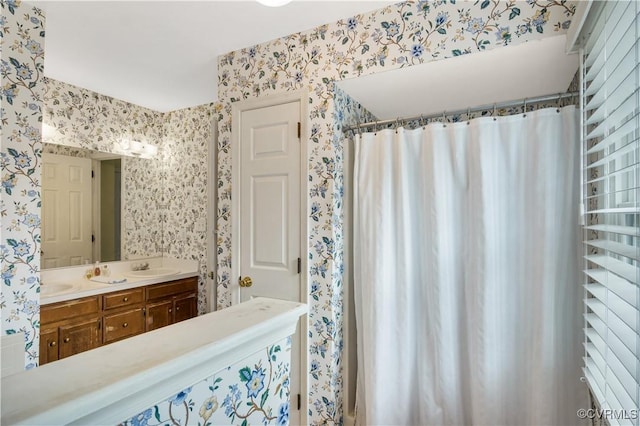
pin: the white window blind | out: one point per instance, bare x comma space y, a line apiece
611, 134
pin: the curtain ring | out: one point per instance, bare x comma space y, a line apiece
494, 112
468, 115
375, 127
397, 123
524, 108
559, 99
444, 118
422, 121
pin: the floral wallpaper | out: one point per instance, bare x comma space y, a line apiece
187, 133
252, 391
21, 75
81, 118
404, 34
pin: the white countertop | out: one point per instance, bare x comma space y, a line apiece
82, 287
113, 382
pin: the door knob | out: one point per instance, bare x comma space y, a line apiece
245, 282
211, 275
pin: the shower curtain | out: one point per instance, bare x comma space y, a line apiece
467, 286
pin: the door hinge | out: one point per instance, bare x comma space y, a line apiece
99, 324
93, 238
92, 174
299, 402
299, 265
299, 130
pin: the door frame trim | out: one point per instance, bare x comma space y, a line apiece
237, 108
212, 220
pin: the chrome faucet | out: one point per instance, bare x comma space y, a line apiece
140, 266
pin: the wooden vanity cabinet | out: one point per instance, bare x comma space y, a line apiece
68, 328
74, 326
172, 302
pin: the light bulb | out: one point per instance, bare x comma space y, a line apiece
135, 148
150, 150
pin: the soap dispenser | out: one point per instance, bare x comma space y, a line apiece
96, 270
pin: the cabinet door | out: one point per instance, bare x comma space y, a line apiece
124, 324
78, 337
159, 314
185, 307
48, 345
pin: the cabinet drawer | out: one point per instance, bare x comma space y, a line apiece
124, 324
161, 291
122, 298
65, 310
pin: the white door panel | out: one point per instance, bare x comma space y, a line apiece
270, 213
270, 201
66, 211
269, 243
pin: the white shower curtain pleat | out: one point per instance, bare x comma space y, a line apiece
467, 286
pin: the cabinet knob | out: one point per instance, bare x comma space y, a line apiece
125, 325
177, 308
170, 310
125, 299
66, 340
52, 344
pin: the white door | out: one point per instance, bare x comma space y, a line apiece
270, 213
66, 211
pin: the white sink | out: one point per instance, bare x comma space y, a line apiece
52, 289
153, 273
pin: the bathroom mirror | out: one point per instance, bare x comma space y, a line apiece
81, 206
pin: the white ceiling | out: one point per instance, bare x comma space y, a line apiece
515, 72
163, 54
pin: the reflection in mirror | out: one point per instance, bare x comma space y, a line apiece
81, 206
110, 208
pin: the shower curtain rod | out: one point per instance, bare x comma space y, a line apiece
524, 102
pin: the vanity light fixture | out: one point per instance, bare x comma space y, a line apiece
48, 132
274, 3
138, 149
